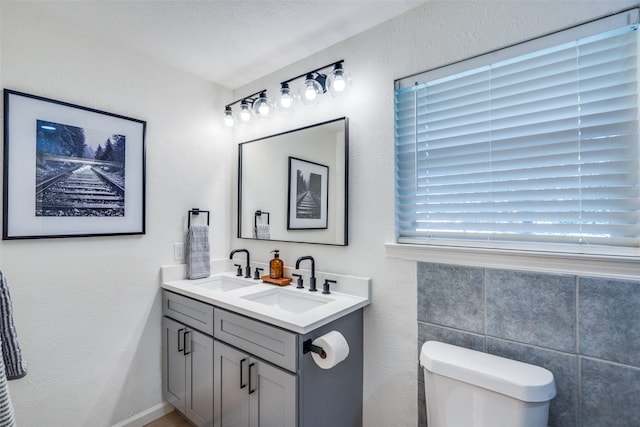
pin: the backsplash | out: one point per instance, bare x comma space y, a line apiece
586, 330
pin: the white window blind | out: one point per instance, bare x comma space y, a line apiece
534, 146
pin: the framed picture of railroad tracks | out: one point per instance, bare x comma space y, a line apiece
308, 195
70, 171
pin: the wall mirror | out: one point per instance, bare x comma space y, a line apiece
293, 186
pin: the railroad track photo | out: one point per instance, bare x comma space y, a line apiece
79, 172
82, 191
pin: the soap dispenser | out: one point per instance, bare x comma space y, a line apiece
276, 266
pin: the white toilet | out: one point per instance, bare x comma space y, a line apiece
468, 388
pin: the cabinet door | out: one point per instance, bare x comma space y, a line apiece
231, 387
273, 396
173, 366
198, 353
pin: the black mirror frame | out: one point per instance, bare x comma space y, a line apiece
346, 183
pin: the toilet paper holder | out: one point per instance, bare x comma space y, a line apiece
308, 347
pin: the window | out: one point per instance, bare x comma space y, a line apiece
531, 147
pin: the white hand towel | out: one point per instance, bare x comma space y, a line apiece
263, 232
197, 257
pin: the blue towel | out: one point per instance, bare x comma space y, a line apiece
198, 258
14, 364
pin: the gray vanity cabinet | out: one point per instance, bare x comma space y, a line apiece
224, 369
187, 359
290, 389
250, 392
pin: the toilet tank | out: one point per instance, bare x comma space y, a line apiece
468, 388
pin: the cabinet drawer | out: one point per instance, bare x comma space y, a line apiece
196, 314
265, 341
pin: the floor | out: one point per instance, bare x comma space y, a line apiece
172, 419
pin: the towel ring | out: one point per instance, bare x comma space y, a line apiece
257, 214
196, 212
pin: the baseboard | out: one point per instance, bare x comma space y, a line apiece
145, 417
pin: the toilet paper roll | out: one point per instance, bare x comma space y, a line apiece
334, 345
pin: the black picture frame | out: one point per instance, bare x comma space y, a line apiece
308, 195
70, 171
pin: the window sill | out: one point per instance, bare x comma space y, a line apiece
559, 263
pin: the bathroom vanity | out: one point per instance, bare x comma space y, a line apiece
234, 351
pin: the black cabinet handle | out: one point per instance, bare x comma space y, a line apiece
242, 384
251, 390
180, 340
187, 340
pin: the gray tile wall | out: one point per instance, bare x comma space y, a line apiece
585, 330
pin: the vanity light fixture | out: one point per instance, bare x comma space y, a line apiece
315, 84
257, 104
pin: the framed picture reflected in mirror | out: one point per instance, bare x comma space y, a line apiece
308, 195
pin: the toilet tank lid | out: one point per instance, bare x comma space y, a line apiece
519, 380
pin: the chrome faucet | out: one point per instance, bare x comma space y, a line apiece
248, 267
312, 279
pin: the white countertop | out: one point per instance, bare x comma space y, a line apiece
347, 295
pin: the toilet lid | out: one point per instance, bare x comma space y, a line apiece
519, 380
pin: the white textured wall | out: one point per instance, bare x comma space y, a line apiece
88, 309
430, 36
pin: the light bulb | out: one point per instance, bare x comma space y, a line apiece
313, 86
262, 106
286, 101
310, 93
228, 117
245, 114
286, 98
339, 84
338, 81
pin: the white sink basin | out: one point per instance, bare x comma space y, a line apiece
213, 285
287, 300
221, 285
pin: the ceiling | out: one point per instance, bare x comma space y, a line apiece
228, 42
